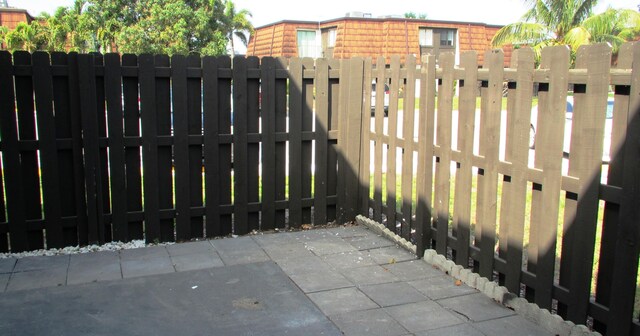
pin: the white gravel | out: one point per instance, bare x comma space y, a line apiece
112, 246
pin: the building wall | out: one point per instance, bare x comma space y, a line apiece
367, 37
10, 17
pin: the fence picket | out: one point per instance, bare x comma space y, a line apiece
380, 144
114, 98
268, 110
11, 169
392, 133
253, 147
195, 118
281, 93
180, 123
626, 251
408, 118
466, 126
443, 160
212, 169
321, 138
240, 183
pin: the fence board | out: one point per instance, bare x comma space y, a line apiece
64, 130
443, 162
350, 140
424, 180
379, 144
610, 221
4, 236
306, 144
195, 118
268, 110
514, 191
253, 148
165, 174
92, 171
408, 117
114, 98
148, 108
549, 159
225, 158
133, 169
466, 126
366, 143
181, 146
296, 109
586, 159
43, 92
281, 93
626, 255
489, 148
321, 140
28, 157
240, 186
392, 132
211, 108
11, 168
103, 157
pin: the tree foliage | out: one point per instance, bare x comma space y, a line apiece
412, 15
134, 26
569, 22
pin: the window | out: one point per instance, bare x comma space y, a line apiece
446, 37
331, 38
426, 37
307, 44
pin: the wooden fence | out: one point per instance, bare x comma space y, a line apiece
98, 148
536, 220
164, 149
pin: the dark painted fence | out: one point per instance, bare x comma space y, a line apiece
536, 221
98, 148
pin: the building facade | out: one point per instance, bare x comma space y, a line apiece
10, 17
363, 36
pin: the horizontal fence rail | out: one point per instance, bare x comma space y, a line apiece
450, 168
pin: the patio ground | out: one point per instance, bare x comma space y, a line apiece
329, 281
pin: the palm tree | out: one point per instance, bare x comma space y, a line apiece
236, 23
568, 22
24, 37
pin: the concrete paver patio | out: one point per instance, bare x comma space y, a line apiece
329, 281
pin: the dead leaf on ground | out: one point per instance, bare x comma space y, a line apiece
458, 282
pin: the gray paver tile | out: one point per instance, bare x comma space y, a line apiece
195, 261
309, 235
142, 267
386, 255
413, 270
321, 281
369, 242
51, 277
342, 300
4, 280
190, 248
423, 315
285, 251
348, 260
305, 264
274, 238
457, 330
372, 322
369, 275
476, 307
41, 263
331, 245
144, 253
93, 267
441, 287
510, 326
7, 265
243, 250
391, 294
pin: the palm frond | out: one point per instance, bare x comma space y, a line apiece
520, 33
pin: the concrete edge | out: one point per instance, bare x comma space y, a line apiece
542, 317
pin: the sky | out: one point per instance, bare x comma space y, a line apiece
265, 12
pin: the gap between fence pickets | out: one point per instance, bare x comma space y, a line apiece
542, 317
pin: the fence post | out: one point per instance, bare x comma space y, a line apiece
351, 77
